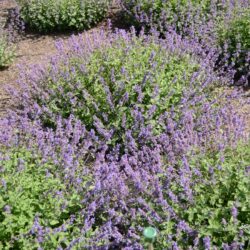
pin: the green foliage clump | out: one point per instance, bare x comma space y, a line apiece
33, 198
7, 52
237, 30
58, 15
225, 185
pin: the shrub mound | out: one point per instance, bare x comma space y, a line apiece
120, 82
50, 15
83, 196
183, 16
10, 32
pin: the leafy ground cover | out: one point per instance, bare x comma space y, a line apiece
122, 130
234, 39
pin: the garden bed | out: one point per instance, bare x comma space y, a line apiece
116, 131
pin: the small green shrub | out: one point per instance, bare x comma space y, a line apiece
224, 186
57, 15
236, 29
7, 52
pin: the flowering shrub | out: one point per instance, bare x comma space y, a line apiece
38, 200
83, 195
9, 33
220, 206
15, 25
119, 81
178, 15
50, 15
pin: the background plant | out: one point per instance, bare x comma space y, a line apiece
7, 50
48, 15
15, 25
234, 38
173, 14
10, 32
208, 22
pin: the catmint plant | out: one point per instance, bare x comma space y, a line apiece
123, 133
49, 15
120, 81
7, 50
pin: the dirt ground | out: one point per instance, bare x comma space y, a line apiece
33, 49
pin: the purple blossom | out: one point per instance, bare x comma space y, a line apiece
234, 212
207, 242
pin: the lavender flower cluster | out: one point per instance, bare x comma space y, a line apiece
182, 168
148, 77
15, 24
